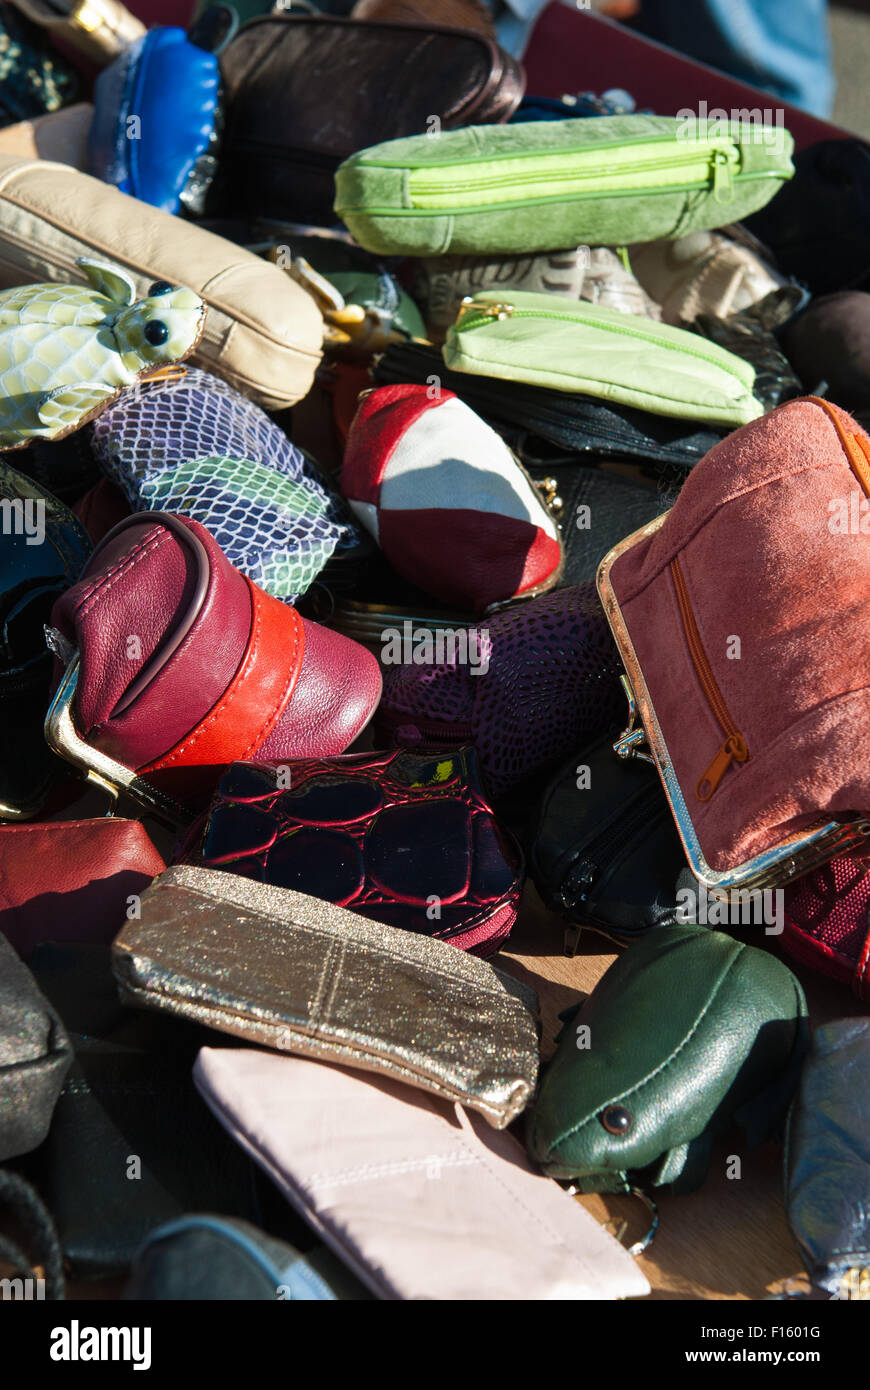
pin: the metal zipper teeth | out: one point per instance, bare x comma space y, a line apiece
734, 748
469, 323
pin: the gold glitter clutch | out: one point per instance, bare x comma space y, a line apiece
298, 974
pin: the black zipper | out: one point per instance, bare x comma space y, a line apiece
589, 866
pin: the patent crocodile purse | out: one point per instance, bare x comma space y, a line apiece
404, 838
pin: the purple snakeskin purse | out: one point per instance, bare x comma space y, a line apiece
404, 838
547, 682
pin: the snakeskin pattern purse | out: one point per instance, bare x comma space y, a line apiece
197, 447
546, 681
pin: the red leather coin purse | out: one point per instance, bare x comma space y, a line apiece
177, 665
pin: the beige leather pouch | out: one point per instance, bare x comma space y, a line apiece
263, 333
59, 135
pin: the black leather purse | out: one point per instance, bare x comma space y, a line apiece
595, 509
603, 849
304, 91
34, 1056
43, 552
131, 1144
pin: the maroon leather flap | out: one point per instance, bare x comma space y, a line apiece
71, 880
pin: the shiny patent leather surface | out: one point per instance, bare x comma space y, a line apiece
171, 85
404, 838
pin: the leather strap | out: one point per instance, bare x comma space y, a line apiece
256, 697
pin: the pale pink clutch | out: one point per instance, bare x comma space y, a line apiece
420, 1199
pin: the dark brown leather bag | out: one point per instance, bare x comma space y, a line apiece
304, 92
459, 14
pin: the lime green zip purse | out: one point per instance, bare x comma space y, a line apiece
544, 185
544, 340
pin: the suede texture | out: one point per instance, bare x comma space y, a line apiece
374, 199
752, 531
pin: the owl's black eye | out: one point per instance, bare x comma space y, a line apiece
156, 332
160, 287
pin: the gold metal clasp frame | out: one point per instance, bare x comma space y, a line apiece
633, 740
101, 771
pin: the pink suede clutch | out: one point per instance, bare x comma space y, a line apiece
418, 1198
742, 618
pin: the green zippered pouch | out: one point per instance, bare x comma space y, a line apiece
536, 185
544, 340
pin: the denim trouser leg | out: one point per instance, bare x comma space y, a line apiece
782, 46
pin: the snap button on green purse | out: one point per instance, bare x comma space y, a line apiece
687, 1034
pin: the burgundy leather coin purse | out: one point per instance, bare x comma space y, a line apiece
177, 665
71, 880
404, 838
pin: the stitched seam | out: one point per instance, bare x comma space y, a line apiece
329, 1000
440, 972
272, 717
370, 1172
677, 1050
111, 577
537, 1220
739, 493
226, 699
482, 917
229, 696
325, 973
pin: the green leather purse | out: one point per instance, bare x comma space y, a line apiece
687, 1033
536, 185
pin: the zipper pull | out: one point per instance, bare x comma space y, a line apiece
574, 890
733, 750
723, 178
470, 308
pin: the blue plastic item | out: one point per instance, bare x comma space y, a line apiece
154, 130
